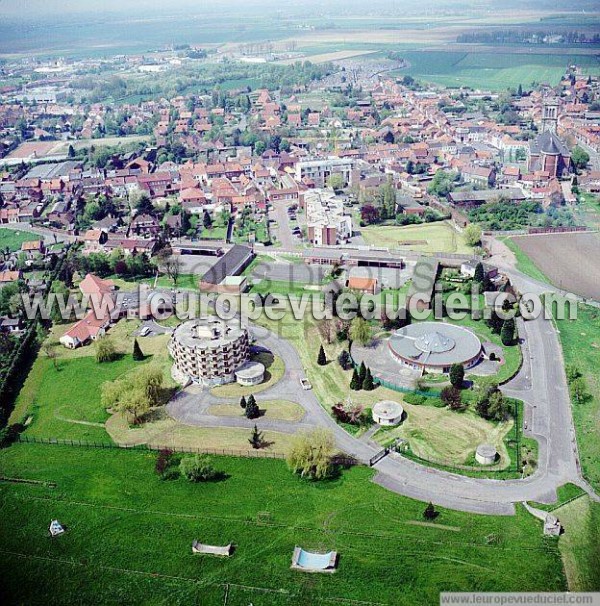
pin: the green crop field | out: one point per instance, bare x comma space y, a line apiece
129, 536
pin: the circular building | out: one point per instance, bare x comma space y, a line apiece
387, 412
486, 454
435, 346
251, 373
208, 351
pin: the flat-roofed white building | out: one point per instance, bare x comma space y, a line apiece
326, 221
319, 171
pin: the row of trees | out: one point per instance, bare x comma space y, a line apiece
362, 379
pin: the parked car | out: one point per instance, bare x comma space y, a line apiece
305, 384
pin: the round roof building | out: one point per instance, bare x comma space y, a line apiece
208, 351
435, 346
486, 454
387, 412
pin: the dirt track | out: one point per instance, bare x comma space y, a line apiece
571, 261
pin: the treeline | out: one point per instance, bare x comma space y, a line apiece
505, 215
201, 79
512, 36
15, 367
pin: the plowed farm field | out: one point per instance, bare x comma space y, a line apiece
571, 261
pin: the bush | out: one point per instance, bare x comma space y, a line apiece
344, 360
198, 468
415, 399
105, 350
457, 375
310, 454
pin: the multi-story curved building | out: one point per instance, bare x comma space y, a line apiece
208, 351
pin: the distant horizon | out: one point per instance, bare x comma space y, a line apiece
32, 9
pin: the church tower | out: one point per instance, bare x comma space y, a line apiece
550, 116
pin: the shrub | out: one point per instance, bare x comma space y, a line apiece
105, 350
198, 468
415, 399
344, 360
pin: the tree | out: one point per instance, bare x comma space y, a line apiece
310, 454
579, 157
362, 373
430, 513
321, 358
243, 403
579, 391
472, 234
256, 438
498, 408
137, 355
335, 181
507, 333
143, 204
495, 322
457, 375
252, 411
479, 275
51, 354
355, 384
105, 350
360, 331
172, 267
452, 398
206, 220
198, 468
344, 360
368, 384
491, 404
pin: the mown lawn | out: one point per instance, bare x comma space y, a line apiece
12, 239
580, 340
129, 536
427, 237
64, 401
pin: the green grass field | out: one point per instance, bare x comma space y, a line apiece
426, 238
12, 239
65, 401
580, 340
580, 544
129, 536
